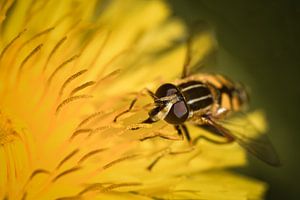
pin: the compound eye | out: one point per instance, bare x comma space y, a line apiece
166, 90
178, 113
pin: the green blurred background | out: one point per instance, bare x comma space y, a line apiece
258, 45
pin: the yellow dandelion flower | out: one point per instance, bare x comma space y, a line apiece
67, 69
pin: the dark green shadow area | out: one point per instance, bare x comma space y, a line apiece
259, 45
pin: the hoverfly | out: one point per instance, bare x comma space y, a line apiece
208, 101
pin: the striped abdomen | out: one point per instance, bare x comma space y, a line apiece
197, 95
210, 90
229, 95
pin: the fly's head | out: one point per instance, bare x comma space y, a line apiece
169, 105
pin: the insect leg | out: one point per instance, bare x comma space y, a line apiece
149, 92
196, 140
179, 131
186, 133
163, 136
126, 111
170, 137
167, 137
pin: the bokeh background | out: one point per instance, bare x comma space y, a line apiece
259, 45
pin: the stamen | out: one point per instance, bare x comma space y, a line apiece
36, 36
114, 186
70, 198
115, 72
101, 188
92, 187
24, 196
55, 48
92, 116
36, 172
111, 74
67, 158
91, 153
150, 167
33, 174
66, 172
101, 128
162, 154
60, 67
71, 78
69, 100
81, 87
34, 51
98, 129
11, 43
80, 131
138, 126
118, 161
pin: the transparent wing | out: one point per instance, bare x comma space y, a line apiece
248, 131
201, 48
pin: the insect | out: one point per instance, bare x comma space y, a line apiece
209, 101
